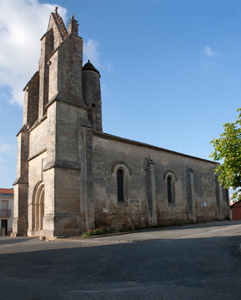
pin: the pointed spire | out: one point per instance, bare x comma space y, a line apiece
73, 26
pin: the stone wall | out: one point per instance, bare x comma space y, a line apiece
67, 202
38, 139
147, 168
65, 72
36, 175
31, 101
67, 168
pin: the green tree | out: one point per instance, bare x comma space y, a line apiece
236, 197
228, 152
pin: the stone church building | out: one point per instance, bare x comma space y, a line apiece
72, 177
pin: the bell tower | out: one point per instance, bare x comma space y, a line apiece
62, 108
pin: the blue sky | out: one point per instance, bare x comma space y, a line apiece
170, 69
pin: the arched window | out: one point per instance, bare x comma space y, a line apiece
121, 174
120, 185
170, 179
169, 189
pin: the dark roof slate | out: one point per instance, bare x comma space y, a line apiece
88, 66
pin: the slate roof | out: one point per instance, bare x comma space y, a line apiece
89, 66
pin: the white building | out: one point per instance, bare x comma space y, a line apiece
6, 211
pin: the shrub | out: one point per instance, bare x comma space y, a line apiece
91, 232
125, 228
97, 231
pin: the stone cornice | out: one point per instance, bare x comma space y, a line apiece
36, 155
62, 164
19, 181
56, 98
37, 123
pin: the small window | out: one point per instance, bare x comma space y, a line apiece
169, 189
120, 185
170, 179
121, 174
4, 204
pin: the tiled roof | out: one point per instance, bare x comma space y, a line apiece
238, 204
6, 191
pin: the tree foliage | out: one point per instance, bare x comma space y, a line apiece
236, 197
228, 152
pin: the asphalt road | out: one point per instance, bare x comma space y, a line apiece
186, 262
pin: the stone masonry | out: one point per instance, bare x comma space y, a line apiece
72, 177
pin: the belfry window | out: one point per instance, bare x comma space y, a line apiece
120, 185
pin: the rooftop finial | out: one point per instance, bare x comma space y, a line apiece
56, 9
73, 26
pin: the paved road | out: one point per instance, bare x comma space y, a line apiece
187, 262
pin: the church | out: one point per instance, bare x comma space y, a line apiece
71, 176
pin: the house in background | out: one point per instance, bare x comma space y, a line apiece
6, 211
236, 210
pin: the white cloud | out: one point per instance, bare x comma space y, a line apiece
22, 23
91, 53
10, 149
7, 150
208, 52
109, 66
4, 147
